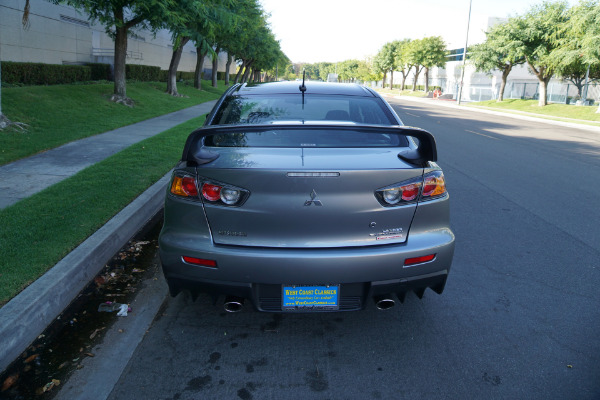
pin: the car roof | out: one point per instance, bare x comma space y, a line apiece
293, 87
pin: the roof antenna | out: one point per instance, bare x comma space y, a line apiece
303, 87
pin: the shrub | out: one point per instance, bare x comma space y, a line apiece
143, 73
43, 74
100, 72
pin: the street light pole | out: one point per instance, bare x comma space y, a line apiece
462, 74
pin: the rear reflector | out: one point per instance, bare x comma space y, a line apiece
418, 260
200, 261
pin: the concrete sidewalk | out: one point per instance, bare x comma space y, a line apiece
30, 175
24, 317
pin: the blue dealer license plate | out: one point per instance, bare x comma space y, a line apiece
305, 298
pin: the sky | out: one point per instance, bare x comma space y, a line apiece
336, 30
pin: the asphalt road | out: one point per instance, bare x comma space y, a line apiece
520, 317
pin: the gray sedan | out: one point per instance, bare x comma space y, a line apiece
306, 198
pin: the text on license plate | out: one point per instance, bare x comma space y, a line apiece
325, 297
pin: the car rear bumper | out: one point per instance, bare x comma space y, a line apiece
361, 272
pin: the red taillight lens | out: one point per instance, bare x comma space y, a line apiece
410, 192
211, 192
200, 261
418, 260
184, 186
434, 184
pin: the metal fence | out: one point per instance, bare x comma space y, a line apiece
565, 93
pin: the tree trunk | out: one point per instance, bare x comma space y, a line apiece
426, 79
384, 76
543, 79
240, 72
175, 59
543, 100
247, 72
215, 67
199, 67
391, 78
417, 72
505, 73
227, 67
120, 54
403, 84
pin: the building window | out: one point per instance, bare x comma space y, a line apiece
75, 21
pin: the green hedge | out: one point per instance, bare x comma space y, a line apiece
142, 73
18, 73
100, 72
44, 74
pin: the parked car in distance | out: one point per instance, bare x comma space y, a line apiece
306, 198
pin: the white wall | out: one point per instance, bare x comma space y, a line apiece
59, 34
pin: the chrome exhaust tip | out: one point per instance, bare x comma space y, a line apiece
233, 304
384, 302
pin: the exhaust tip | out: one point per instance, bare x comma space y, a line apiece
384, 303
233, 304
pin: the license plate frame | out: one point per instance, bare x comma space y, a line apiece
310, 297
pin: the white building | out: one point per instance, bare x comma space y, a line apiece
59, 34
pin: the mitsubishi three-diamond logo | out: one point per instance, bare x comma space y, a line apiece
313, 199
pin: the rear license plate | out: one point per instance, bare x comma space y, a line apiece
306, 298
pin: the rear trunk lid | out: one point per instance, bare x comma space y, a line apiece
309, 197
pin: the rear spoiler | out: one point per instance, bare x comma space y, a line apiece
195, 152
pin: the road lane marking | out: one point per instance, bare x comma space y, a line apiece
414, 115
481, 134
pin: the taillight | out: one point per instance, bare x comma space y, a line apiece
184, 186
223, 194
432, 185
212, 192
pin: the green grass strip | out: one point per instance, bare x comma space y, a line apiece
560, 112
63, 113
39, 231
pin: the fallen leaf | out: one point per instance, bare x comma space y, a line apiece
31, 358
89, 354
9, 382
79, 366
93, 335
569, 366
61, 366
48, 387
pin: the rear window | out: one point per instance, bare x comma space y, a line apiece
258, 109
340, 137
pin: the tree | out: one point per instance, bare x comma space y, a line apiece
537, 36
348, 70
580, 43
497, 52
197, 20
402, 60
417, 56
387, 60
434, 48
379, 66
118, 18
